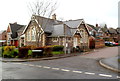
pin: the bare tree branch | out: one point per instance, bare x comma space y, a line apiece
42, 8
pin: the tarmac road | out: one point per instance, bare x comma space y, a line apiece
77, 67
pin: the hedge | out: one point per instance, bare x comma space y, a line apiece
57, 48
23, 52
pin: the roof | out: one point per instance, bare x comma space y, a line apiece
90, 27
112, 31
46, 23
73, 23
21, 29
14, 28
63, 30
2, 31
105, 30
55, 27
118, 30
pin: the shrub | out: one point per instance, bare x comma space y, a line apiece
57, 52
58, 48
9, 51
23, 52
29, 53
16, 52
48, 51
118, 59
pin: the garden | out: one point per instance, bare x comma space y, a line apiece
28, 51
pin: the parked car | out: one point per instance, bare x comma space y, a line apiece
115, 44
108, 43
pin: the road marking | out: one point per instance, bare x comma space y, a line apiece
16, 63
38, 66
65, 70
56, 68
105, 75
89, 73
118, 76
24, 64
30, 65
77, 71
46, 67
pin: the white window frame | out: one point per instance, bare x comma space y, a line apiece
28, 35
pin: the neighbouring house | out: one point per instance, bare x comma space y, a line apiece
3, 38
113, 34
92, 36
70, 33
97, 35
118, 35
12, 34
106, 34
21, 37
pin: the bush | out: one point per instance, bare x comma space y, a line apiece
57, 52
1, 50
23, 52
119, 60
29, 53
58, 48
9, 52
48, 51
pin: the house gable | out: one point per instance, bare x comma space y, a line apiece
9, 28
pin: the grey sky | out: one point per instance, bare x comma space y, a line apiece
92, 11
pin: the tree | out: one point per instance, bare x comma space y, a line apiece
41, 8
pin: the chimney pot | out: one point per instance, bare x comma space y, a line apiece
54, 16
96, 25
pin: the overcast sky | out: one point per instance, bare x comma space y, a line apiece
92, 11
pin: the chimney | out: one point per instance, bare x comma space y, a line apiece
96, 25
54, 16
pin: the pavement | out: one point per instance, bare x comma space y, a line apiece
109, 63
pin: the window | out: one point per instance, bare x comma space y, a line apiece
28, 35
82, 33
33, 33
54, 39
68, 39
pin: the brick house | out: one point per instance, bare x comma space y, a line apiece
96, 35
118, 35
70, 33
92, 36
3, 38
113, 35
12, 34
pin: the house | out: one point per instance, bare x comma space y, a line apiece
12, 34
113, 35
3, 38
70, 33
97, 36
92, 36
118, 35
